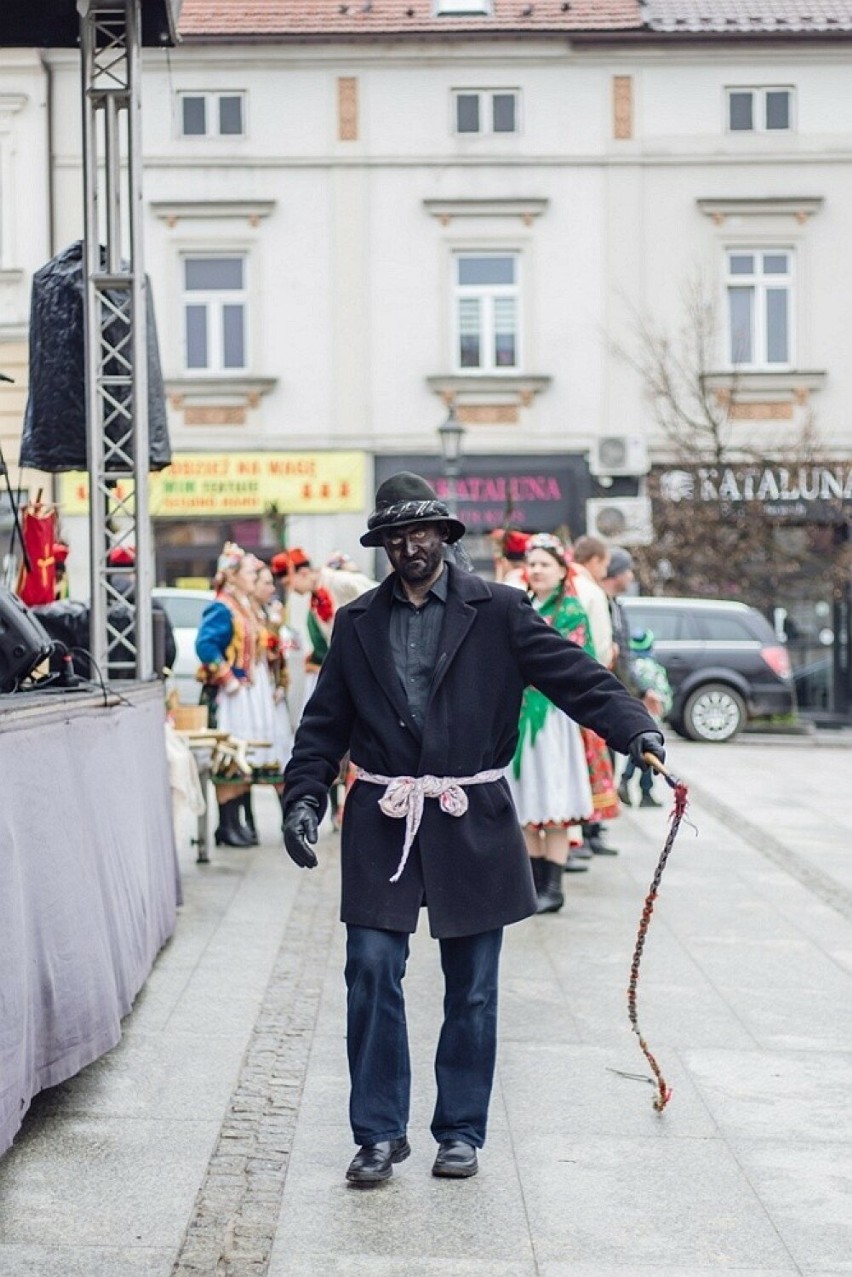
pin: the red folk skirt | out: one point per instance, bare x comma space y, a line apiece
601, 776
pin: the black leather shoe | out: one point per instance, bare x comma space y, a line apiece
374, 1162
455, 1160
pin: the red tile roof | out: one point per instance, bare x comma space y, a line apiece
283, 19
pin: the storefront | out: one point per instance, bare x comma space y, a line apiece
800, 573
544, 493
205, 499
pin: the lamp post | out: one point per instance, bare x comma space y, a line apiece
451, 434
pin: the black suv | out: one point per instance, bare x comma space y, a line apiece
724, 662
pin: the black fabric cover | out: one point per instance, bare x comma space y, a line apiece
55, 24
67, 622
54, 434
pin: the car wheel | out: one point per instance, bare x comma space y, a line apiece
714, 713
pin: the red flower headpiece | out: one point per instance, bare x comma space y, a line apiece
322, 604
515, 544
298, 558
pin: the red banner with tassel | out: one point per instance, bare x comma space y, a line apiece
38, 527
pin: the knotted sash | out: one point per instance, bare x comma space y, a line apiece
405, 796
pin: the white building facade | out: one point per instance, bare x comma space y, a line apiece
349, 229
25, 240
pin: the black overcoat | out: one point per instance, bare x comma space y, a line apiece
473, 870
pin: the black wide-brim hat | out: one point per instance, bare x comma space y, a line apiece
406, 498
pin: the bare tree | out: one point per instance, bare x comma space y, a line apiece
716, 532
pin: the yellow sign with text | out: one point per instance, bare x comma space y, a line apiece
240, 485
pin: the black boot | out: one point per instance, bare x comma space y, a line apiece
248, 825
537, 864
550, 897
594, 835
230, 832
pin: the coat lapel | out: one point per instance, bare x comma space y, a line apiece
373, 630
458, 620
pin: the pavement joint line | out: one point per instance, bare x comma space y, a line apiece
829, 891
232, 1227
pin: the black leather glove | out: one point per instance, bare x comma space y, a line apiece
647, 743
300, 831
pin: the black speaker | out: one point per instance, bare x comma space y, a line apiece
24, 642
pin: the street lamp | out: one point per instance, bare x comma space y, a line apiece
451, 434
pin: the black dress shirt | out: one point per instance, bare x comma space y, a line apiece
414, 636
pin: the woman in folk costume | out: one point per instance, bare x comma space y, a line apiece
582, 583
510, 548
304, 579
271, 616
548, 776
227, 647
270, 715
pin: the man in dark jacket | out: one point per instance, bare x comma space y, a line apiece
422, 684
617, 581
121, 615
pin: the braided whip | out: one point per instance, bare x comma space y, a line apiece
664, 1093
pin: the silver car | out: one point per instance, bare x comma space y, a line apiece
184, 608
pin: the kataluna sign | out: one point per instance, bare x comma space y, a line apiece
781, 489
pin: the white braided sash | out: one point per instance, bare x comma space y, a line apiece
405, 796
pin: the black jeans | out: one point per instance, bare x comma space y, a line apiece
377, 1037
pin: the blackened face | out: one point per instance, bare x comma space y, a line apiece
416, 550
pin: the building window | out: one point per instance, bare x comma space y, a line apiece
486, 311
765, 110
760, 288
485, 110
214, 308
462, 6
211, 114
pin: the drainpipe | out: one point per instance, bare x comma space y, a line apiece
47, 69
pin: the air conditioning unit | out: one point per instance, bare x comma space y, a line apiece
619, 454
623, 520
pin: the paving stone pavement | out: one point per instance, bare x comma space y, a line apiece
213, 1139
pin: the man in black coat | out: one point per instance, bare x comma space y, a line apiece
422, 684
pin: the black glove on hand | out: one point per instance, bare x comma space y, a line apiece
647, 743
300, 830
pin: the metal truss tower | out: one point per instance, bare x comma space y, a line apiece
116, 337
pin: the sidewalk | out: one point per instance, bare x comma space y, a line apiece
214, 1138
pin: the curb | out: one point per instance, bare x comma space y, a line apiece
812, 740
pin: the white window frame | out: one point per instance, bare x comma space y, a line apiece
759, 92
446, 8
487, 294
211, 99
214, 300
486, 110
761, 283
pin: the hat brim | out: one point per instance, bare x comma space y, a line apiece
376, 537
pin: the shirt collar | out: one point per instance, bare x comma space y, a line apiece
439, 589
